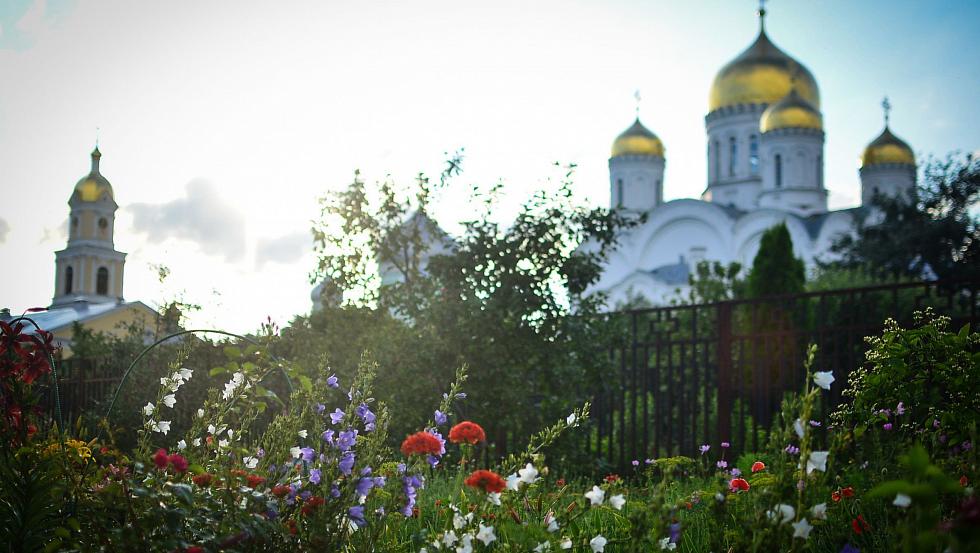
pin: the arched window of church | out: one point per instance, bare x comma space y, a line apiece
717, 160
102, 282
779, 170
732, 156
754, 154
103, 226
619, 192
69, 279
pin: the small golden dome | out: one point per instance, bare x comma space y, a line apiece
792, 112
637, 141
92, 187
762, 74
887, 148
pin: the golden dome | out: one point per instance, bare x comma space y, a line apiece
637, 141
762, 74
93, 186
887, 148
792, 112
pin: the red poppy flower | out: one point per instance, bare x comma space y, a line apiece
487, 481
835, 495
421, 443
758, 465
161, 459
860, 525
203, 480
254, 480
178, 462
468, 432
847, 492
739, 485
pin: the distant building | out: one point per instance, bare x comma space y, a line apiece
765, 139
88, 283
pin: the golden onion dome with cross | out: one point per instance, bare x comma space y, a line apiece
637, 141
791, 112
887, 148
93, 186
762, 74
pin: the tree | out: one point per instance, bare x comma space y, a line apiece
934, 234
775, 270
507, 301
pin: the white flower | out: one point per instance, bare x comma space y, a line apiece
596, 495
170, 400
185, 373
798, 427
295, 452
823, 379
163, 427
543, 546
513, 482
236, 380
182, 445
222, 443
466, 544
817, 461
250, 462
802, 529
449, 538
211, 429
148, 409
302, 433
231, 434
598, 543
528, 474
486, 534
783, 513
494, 498
571, 419
200, 413
819, 511
458, 521
902, 500
550, 522
617, 501
566, 543
667, 545
196, 442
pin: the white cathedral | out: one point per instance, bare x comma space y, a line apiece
765, 166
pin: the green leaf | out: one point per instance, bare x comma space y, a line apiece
183, 492
73, 522
196, 469
306, 382
217, 370
232, 353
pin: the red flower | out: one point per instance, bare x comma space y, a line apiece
487, 481
758, 465
964, 481
610, 478
860, 525
280, 491
468, 432
36, 367
739, 485
560, 483
254, 480
835, 495
311, 504
291, 524
203, 480
421, 443
847, 492
161, 459
178, 462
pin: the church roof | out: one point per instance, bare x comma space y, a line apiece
673, 273
61, 317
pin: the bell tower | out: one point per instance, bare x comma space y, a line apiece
90, 269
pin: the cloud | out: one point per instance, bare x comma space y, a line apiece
4, 229
283, 249
201, 217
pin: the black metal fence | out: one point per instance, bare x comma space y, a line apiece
708, 373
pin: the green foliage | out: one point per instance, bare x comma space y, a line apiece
929, 369
775, 270
29, 500
935, 233
713, 282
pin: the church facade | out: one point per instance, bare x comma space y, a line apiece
765, 140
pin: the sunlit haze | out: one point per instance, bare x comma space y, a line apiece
222, 122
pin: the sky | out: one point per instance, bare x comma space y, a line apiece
222, 122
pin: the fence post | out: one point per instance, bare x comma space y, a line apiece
724, 352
